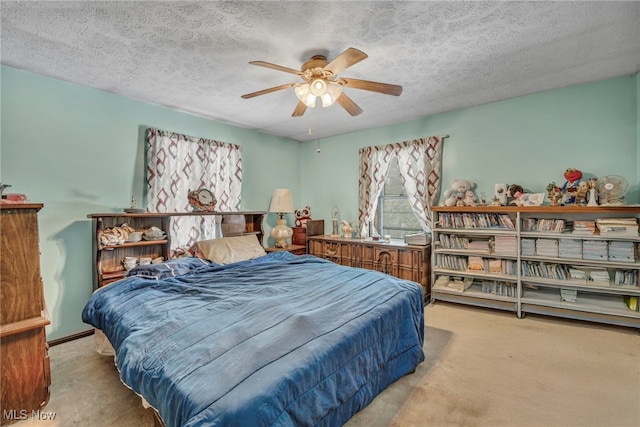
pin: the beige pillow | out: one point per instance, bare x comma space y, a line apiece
230, 249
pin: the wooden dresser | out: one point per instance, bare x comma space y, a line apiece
410, 262
25, 372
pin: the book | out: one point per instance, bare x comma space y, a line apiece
495, 266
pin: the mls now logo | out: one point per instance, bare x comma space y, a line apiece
23, 414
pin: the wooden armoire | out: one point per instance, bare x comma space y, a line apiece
24, 361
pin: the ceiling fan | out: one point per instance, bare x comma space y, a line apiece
320, 80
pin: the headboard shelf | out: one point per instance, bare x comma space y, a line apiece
108, 257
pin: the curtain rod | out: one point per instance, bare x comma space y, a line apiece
443, 136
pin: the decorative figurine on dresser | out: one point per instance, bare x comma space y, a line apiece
25, 369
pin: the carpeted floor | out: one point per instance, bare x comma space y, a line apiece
482, 368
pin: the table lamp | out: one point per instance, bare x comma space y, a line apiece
281, 203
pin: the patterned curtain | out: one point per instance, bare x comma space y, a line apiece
178, 163
419, 162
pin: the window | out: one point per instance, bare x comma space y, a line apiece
395, 216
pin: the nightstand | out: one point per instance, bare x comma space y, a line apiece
294, 249
299, 236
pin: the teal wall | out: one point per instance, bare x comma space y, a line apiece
528, 140
79, 151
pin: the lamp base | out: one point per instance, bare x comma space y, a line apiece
281, 232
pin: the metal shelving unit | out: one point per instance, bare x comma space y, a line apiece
595, 301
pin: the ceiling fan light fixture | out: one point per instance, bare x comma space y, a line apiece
318, 87
332, 94
320, 80
303, 92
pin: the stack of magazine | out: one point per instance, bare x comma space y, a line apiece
622, 251
599, 276
528, 247
506, 245
569, 295
570, 248
547, 247
454, 283
595, 250
584, 228
618, 227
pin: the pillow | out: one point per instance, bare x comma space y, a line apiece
171, 268
227, 250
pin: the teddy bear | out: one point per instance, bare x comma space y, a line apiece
458, 192
302, 216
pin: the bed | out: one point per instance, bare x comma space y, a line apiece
275, 340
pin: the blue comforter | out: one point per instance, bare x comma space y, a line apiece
280, 340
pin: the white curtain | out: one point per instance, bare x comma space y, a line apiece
179, 163
419, 162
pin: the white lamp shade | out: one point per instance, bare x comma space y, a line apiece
281, 201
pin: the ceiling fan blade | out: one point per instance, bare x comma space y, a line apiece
348, 104
346, 59
299, 110
276, 67
265, 91
385, 88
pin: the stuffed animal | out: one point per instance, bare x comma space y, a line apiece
458, 192
515, 192
469, 199
522, 198
302, 216
581, 193
570, 186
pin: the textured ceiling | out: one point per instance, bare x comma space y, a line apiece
194, 56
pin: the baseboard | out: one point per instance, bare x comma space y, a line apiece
68, 338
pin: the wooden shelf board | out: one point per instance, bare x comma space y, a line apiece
467, 252
478, 275
23, 326
135, 244
581, 262
612, 305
